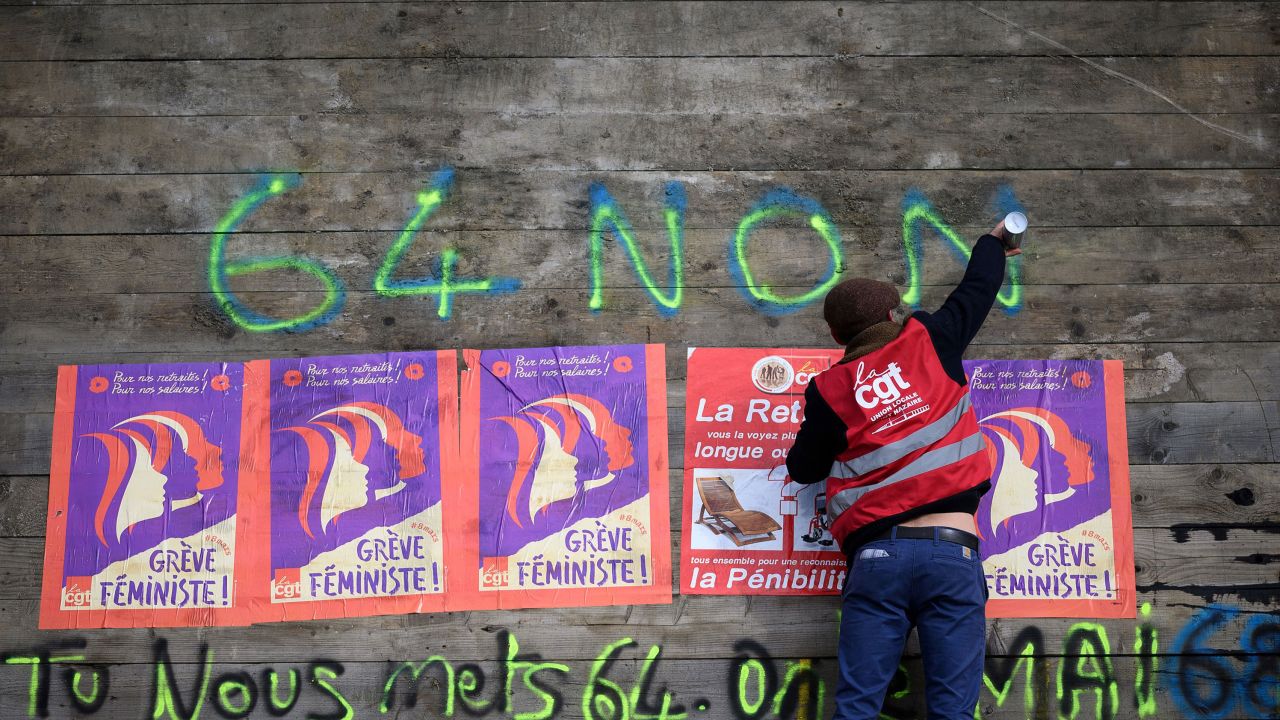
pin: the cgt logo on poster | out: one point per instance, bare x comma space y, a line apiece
493, 573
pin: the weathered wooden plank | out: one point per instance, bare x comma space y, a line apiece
574, 29
23, 504
56, 266
1158, 434
630, 85
1220, 554
744, 141
1190, 498
23, 444
775, 618
1212, 560
558, 199
709, 317
1161, 372
1195, 432
401, 90
1199, 498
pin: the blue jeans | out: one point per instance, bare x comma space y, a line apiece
934, 585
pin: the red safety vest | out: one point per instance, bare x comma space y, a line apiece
913, 438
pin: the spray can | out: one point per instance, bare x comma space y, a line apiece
1015, 227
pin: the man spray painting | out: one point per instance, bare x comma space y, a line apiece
892, 432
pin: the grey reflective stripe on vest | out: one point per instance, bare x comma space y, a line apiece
895, 451
932, 460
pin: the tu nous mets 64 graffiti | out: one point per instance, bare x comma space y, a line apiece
1209, 671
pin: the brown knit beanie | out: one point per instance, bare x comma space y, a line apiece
857, 304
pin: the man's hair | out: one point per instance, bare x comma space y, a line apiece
857, 304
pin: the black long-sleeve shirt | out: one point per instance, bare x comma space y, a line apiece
823, 435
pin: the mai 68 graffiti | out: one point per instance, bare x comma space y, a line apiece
1223, 663
607, 220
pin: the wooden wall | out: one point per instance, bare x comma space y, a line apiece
1142, 138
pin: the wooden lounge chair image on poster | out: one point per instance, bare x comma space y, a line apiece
723, 514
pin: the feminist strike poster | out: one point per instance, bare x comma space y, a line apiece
567, 487
749, 530
145, 525
1057, 537
359, 446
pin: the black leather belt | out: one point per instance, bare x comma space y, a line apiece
952, 535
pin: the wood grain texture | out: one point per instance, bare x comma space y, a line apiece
605, 141
687, 681
550, 259
558, 199
634, 29
1052, 314
1154, 372
1194, 498
1159, 434
438, 87
1165, 563
774, 621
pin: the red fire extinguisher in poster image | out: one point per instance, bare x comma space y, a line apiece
749, 530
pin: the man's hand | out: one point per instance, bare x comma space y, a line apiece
998, 232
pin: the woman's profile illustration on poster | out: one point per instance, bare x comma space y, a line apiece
1044, 478
338, 442
567, 446
140, 462
1056, 530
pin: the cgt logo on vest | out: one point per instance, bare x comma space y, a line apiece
883, 389
879, 388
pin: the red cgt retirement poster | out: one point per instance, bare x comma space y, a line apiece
749, 530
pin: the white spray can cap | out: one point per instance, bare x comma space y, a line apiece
1015, 223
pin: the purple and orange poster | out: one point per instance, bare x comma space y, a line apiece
145, 525
567, 479
359, 447
1057, 536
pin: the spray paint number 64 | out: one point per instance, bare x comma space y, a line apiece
444, 286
